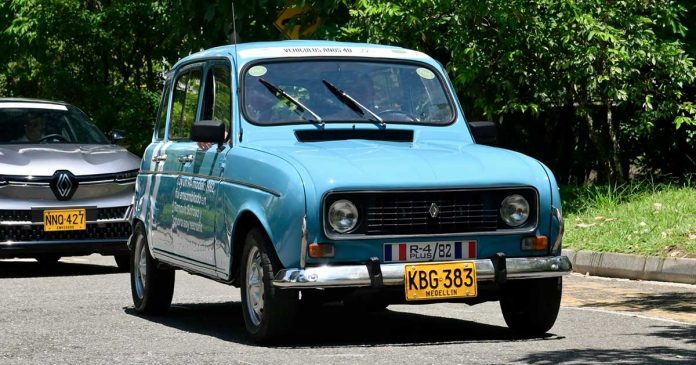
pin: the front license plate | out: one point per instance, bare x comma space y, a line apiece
65, 220
444, 280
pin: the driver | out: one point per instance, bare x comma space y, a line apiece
33, 129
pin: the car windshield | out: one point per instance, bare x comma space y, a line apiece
27, 123
345, 91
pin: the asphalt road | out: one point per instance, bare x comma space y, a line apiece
81, 312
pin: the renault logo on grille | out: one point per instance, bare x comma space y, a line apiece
434, 210
63, 185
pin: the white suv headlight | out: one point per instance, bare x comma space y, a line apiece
343, 216
514, 210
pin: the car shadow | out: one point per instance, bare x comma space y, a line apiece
334, 326
32, 269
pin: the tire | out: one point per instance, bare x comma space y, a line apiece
531, 306
268, 312
152, 287
123, 262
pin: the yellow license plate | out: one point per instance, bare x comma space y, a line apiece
442, 280
65, 220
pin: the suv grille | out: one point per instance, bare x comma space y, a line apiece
94, 231
10, 216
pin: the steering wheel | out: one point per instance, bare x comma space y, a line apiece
398, 115
56, 136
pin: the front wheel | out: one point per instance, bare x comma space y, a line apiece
152, 287
268, 312
531, 306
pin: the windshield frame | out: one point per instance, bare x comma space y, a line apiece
446, 87
73, 115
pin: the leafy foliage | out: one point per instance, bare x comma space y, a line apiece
595, 58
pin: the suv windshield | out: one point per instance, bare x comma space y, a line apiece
345, 91
57, 124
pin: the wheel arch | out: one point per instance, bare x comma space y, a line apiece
247, 220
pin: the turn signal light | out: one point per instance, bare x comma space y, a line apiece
535, 243
319, 250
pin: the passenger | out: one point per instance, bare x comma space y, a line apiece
33, 129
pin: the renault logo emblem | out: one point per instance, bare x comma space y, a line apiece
63, 184
434, 210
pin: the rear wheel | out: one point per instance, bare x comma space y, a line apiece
152, 287
531, 306
268, 312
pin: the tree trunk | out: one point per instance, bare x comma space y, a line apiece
616, 168
596, 138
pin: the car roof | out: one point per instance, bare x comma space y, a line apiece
39, 103
246, 52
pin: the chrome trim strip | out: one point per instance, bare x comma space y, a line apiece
555, 212
393, 274
221, 179
29, 223
348, 236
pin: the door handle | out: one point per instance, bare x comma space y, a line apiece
160, 158
186, 158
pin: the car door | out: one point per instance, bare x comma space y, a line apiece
182, 202
195, 207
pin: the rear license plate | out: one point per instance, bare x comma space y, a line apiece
65, 220
443, 280
430, 251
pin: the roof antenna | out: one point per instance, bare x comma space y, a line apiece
234, 38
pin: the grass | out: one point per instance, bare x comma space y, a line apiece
641, 218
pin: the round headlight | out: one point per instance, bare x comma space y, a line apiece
343, 216
514, 210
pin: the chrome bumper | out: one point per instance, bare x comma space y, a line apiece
393, 274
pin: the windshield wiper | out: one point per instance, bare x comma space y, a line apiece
278, 92
352, 103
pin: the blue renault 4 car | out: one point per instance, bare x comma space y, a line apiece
308, 171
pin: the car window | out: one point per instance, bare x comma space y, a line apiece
217, 100
161, 119
396, 92
184, 103
27, 125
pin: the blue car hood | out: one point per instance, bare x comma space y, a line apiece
366, 164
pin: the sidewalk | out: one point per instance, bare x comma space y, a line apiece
619, 265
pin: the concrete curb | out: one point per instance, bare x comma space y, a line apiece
620, 265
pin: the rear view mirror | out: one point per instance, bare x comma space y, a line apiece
208, 131
117, 135
485, 132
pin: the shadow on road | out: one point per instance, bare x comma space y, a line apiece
32, 269
646, 355
684, 302
687, 334
334, 326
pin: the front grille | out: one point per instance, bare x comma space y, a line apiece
112, 213
430, 212
94, 231
15, 215
9, 216
401, 215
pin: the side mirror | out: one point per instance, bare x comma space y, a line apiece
485, 132
117, 135
208, 131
